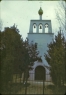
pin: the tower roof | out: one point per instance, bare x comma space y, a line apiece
40, 12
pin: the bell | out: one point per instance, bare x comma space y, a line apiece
40, 27
34, 27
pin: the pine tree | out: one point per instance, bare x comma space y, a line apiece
17, 56
56, 59
11, 52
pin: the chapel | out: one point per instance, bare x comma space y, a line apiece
40, 32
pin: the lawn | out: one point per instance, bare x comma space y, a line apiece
33, 87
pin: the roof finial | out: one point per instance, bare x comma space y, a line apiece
40, 12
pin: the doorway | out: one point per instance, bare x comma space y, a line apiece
39, 73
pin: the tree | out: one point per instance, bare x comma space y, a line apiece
17, 56
65, 60
30, 56
61, 14
56, 59
1, 24
11, 54
0, 0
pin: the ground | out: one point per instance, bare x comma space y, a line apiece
33, 87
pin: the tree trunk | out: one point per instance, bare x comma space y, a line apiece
23, 77
26, 78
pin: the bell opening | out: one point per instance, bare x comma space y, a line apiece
40, 27
34, 26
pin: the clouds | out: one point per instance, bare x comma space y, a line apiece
21, 12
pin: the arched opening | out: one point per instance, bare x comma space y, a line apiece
40, 28
40, 73
46, 28
34, 28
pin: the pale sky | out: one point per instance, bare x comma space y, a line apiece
21, 12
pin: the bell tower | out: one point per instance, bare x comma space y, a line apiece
40, 32
37, 25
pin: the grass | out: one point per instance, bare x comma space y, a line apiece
37, 88
55, 90
33, 87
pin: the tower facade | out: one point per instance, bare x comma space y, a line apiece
40, 32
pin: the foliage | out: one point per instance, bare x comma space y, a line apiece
17, 56
55, 90
11, 52
56, 59
31, 55
65, 61
1, 24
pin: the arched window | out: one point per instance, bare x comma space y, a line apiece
34, 28
40, 28
46, 28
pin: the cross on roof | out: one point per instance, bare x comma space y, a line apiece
46, 25
40, 3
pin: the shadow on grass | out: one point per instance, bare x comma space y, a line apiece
13, 88
57, 90
18, 86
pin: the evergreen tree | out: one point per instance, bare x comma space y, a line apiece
56, 59
17, 56
11, 52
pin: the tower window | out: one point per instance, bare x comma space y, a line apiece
34, 28
40, 28
46, 28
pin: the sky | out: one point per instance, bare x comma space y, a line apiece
21, 12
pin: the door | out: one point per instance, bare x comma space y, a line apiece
39, 73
